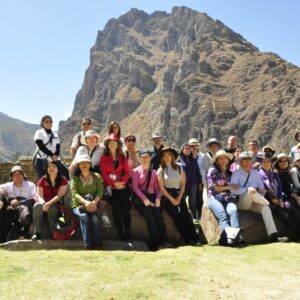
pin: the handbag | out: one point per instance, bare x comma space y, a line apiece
230, 236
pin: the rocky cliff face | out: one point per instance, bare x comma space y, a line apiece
16, 138
189, 76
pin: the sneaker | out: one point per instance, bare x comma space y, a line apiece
36, 237
275, 238
196, 243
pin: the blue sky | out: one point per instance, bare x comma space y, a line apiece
45, 44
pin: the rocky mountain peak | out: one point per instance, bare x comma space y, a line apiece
187, 75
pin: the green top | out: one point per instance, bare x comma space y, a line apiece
78, 190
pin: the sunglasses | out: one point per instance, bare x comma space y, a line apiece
131, 141
86, 124
48, 121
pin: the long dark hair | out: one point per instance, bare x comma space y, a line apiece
119, 149
111, 129
227, 171
59, 174
173, 162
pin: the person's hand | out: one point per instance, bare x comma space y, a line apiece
157, 202
119, 185
14, 203
1, 204
174, 201
256, 165
234, 187
90, 206
147, 202
46, 207
251, 190
275, 201
54, 157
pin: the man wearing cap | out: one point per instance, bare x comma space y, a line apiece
251, 193
155, 151
93, 148
294, 149
212, 146
79, 138
21, 195
198, 156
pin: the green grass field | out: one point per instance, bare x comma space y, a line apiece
269, 271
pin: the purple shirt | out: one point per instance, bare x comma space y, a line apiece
139, 176
215, 177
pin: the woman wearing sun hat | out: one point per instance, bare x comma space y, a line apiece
87, 191
172, 180
283, 167
115, 173
93, 148
281, 208
220, 201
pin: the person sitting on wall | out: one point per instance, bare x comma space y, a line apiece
51, 189
93, 148
21, 195
251, 193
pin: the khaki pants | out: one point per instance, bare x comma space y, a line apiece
245, 203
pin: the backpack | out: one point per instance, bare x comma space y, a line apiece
65, 230
230, 236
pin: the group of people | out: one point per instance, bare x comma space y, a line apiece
151, 180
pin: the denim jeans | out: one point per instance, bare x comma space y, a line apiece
226, 214
90, 228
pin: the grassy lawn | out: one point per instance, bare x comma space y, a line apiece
211, 272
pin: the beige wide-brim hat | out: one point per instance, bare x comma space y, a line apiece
157, 134
14, 169
221, 153
281, 156
212, 141
83, 158
245, 154
193, 142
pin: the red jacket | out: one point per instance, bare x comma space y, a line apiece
107, 168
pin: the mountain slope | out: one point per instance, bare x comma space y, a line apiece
16, 137
189, 76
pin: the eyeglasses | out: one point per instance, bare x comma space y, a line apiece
283, 161
112, 141
86, 124
130, 141
48, 121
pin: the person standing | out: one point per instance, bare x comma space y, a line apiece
156, 150
147, 201
115, 173
79, 138
48, 148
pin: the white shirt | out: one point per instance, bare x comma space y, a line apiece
26, 190
41, 134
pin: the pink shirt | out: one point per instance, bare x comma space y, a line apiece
139, 176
